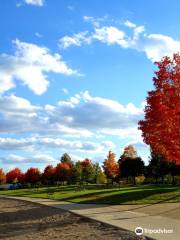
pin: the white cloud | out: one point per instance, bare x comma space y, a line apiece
129, 24
82, 115
47, 142
77, 40
110, 35
158, 45
29, 64
14, 159
95, 21
89, 112
155, 46
39, 3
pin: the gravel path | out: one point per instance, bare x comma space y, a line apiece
20, 220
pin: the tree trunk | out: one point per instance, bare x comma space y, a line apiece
173, 180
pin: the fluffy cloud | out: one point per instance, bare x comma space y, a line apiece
39, 3
29, 64
37, 142
51, 126
155, 46
77, 40
14, 159
95, 113
81, 116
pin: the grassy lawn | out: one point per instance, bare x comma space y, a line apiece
100, 194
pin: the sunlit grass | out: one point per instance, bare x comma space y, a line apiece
101, 194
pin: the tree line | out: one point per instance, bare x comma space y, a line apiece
130, 168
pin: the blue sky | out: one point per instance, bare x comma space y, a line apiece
74, 76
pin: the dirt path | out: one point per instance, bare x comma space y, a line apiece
20, 220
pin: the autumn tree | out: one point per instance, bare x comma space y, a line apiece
2, 176
32, 175
65, 158
129, 152
48, 175
13, 175
111, 167
63, 172
161, 125
130, 165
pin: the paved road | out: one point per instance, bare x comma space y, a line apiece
160, 217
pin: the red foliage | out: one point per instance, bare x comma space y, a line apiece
21, 178
63, 171
32, 175
13, 175
161, 126
2, 176
86, 163
49, 172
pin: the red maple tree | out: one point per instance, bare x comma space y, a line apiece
13, 175
49, 171
32, 175
63, 171
161, 125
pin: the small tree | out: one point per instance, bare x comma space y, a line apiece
2, 176
111, 168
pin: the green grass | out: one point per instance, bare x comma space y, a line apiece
100, 194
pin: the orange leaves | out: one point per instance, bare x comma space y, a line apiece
110, 166
161, 126
129, 152
2, 176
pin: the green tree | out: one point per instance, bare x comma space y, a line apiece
132, 167
88, 171
77, 172
158, 167
65, 158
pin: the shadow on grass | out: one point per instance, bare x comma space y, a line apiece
116, 197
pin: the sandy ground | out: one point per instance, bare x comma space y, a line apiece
20, 220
